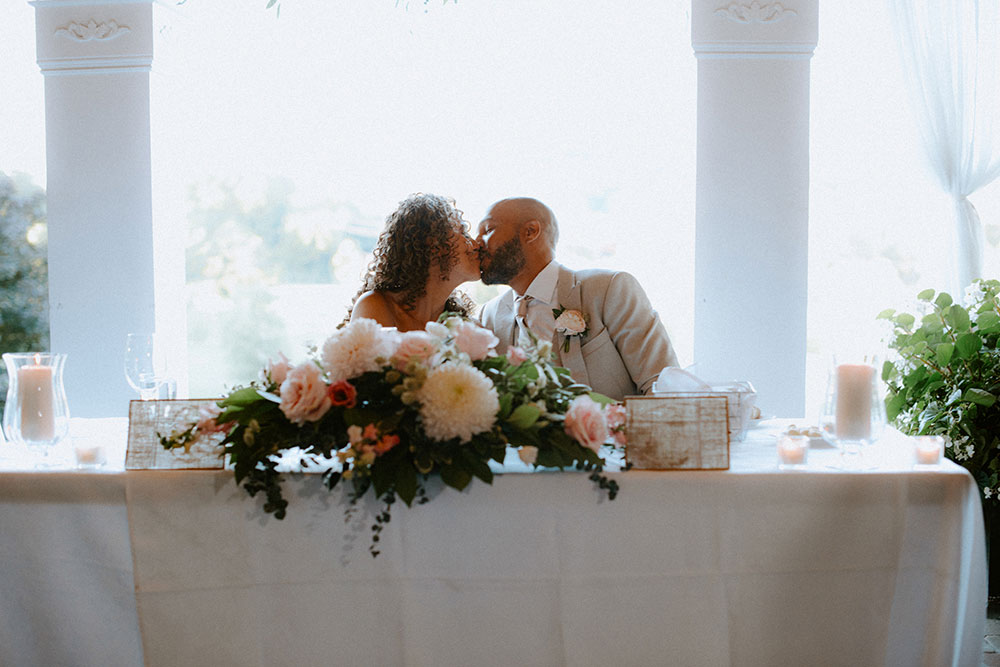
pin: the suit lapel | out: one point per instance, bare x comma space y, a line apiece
570, 298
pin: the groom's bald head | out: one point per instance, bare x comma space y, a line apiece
517, 239
525, 209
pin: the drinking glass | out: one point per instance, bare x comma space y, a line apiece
853, 413
145, 369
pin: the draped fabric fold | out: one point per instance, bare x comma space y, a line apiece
950, 50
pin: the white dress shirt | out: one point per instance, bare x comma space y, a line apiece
542, 291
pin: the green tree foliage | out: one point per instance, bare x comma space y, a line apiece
243, 247
24, 300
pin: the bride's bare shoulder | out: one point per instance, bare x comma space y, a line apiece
374, 305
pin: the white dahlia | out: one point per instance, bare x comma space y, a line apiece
356, 348
457, 401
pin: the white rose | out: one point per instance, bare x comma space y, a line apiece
571, 323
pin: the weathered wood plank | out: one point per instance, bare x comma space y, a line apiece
677, 433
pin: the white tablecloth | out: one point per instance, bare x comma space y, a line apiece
745, 567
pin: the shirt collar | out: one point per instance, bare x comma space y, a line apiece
543, 287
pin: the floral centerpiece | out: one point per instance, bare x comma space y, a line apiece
382, 411
944, 377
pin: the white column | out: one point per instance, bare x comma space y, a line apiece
752, 194
96, 58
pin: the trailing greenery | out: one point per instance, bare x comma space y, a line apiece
944, 378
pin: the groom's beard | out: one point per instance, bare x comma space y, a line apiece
500, 267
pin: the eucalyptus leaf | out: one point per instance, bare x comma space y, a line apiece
942, 301
926, 295
904, 320
525, 415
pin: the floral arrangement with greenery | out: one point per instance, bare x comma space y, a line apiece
382, 411
944, 377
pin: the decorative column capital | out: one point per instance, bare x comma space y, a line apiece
754, 28
93, 37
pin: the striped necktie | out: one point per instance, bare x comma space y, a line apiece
521, 335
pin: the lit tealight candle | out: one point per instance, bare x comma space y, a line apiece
792, 450
89, 456
34, 391
854, 401
928, 449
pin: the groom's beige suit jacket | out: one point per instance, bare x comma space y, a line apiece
626, 345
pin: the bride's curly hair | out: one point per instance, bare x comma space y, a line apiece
416, 237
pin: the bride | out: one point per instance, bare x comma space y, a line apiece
423, 254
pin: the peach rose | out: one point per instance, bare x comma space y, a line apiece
416, 346
585, 422
303, 394
474, 340
528, 454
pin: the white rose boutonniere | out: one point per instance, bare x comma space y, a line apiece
570, 323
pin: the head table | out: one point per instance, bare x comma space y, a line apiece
878, 565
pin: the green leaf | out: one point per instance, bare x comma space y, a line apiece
904, 320
886, 314
943, 353
958, 317
241, 397
888, 370
968, 345
506, 403
979, 397
943, 300
455, 476
988, 322
406, 482
477, 466
600, 398
524, 416
926, 295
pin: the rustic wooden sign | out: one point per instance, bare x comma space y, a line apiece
677, 433
149, 420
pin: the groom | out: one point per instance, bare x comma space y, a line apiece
618, 347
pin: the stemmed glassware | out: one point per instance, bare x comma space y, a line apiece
144, 367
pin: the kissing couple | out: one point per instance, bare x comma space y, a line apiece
601, 324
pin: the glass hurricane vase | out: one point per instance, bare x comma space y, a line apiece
36, 413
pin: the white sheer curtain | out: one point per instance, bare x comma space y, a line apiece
950, 51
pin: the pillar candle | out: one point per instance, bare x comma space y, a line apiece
854, 401
34, 391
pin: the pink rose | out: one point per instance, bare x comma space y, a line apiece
474, 340
585, 422
207, 415
516, 355
303, 394
276, 371
615, 414
416, 346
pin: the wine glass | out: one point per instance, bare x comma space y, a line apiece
144, 368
